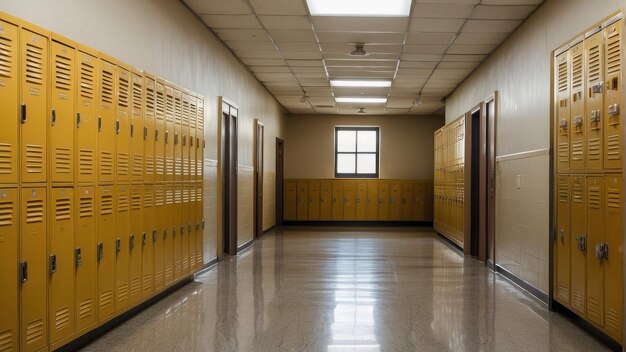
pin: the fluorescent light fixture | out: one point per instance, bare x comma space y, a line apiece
361, 100
360, 8
357, 83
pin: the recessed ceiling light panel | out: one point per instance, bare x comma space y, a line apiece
360, 8
360, 83
361, 100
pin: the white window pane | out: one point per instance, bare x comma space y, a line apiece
367, 141
345, 163
366, 164
346, 141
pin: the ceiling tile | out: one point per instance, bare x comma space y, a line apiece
336, 56
400, 102
326, 110
307, 69
312, 63
490, 26
322, 101
250, 45
269, 69
292, 36
418, 64
242, 34
307, 55
361, 63
313, 82
318, 91
306, 75
414, 71
219, 7
429, 38
285, 22
502, 12
443, 10
361, 37
474, 58
436, 24
512, 2
396, 90
480, 38
297, 46
458, 64
395, 111
258, 54
277, 7
264, 62
358, 24
345, 48
471, 49
276, 77
231, 21
425, 49
420, 57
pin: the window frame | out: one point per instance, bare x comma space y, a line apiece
356, 152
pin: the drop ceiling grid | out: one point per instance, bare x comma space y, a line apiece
427, 53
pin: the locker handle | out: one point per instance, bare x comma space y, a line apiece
184, 139
613, 109
563, 124
156, 135
562, 235
595, 89
380, 200
190, 141
175, 138
118, 245
131, 241
53, 117
53, 264
167, 136
358, 200
581, 242
174, 232
203, 224
144, 239
78, 120
145, 133
577, 120
602, 251
189, 228
99, 123
117, 127
154, 235
100, 251
182, 230
595, 116
132, 130
164, 233
78, 256
24, 271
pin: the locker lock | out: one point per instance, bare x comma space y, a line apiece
117, 127
154, 235
144, 239
53, 264
602, 251
145, 133
164, 233
131, 241
53, 117
577, 120
563, 124
78, 120
581, 242
78, 257
613, 109
100, 251
118, 245
24, 272
595, 115
99, 123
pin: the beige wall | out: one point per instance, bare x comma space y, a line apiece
164, 38
520, 71
406, 145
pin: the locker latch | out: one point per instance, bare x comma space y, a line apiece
581, 242
131, 241
175, 138
562, 235
596, 88
118, 245
167, 136
174, 232
182, 230
563, 124
53, 117
144, 239
190, 142
380, 200
577, 120
99, 123
577, 96
154, 235
117, 127
78, 256
100, 251
132, 129
189, 228
358, 200
53, 264
184, 139
24, 271
595, 115
164, 233
78, 120
156, 135
613, 109
23, 114
602, 251
145, 133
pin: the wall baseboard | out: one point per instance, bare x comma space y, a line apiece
359, 223
538, 294
244, 246
206, 267
269, 229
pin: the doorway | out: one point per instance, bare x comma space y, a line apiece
259, 139
280, 168
490, 119
229, 161
475, 148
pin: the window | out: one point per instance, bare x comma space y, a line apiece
356, 152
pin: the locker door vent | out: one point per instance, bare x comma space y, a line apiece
85, 162
199, 194
87, 80
613, 147
594, 198
34, 64
137, 96
34, 159
563, 79
122, 293
135, 203
63, 209
85, 309
106, 205
178, 196
122, 164
594, 149
34, 331
123, 92
137, 165
160, 105
106, 163
6, 340
107, 87
614, 51
160, 164
169, 112
122, 203
106, 299
6, 167
62, 318
63, 78
135, 288
149, 162
86, 207
63, 160
564, 193
34, 211
614, 198
148, 199
6, 215
150, 100
577, 193
159, 196
169, 197
612, 320
594, 64
593, 308
6, 57
178, 113
193, 115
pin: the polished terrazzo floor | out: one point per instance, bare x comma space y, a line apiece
357, 290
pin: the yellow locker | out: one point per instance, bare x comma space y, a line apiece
159, 133
85, 259
86, 116
176, 233
168, 235
105, 251
9, 320
314, 200
418, 213
562, 70
613, 99
148, 240
122, 124
193, 138
291, 197
191, 225
562, 241
361, 200
613, 269
326, 195
9, 98
170, 107
372, 200
135, 241
34, 100
61, 264
407, 200
122, 242
178, 134
185, 134
594, 61
303, 200
107, 107
337, 206
33, 270
395, 200
184, 233
149, 135
159, 224
199, 226
137, 131
349, 199
383, 200
595, 237
62, 115
579, 243
200, 143
578, 136
428, 201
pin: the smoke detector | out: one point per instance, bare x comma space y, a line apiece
362, 111
359, 50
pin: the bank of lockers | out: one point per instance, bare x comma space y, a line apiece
86, 161
9, 241
85, 258
137, 130
107, 120
149, 129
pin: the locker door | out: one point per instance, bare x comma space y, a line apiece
579, 241
62, 116
428, 200
105, 251
395, 201
135, 242
418, 202
199, 226
326, 195
168, 235
372, 200
159, 133
61, 266
107, 121
594, 61
613, 263
303, 200
563, 241
383, 200
193, 138
349, 199
176, 234
9, 320
86, 117
200, 143
185, 135
361, 200
578, 138
178, 134
170, 107
595, 236
337, 204
314, 200
148, 240
137, 131
122, 239
34, 274
184, 233
149, 128
159, 224
613, 98
85, 259
291, 197
34, 111
9, 98
562, 70
122, 124
407, 200
191, 226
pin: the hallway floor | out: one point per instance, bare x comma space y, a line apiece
348, 290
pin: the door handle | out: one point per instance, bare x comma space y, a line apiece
164, 233
131, 241
117, 127
118, 245
154, 235
132, 129
145, 133
156, 135
99, 123
144, 239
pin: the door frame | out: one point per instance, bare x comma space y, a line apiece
280, 180
259, 149
227, 193
491, 119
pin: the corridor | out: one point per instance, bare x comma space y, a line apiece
348, 290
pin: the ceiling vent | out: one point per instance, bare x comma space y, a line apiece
362, 111
359, 50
